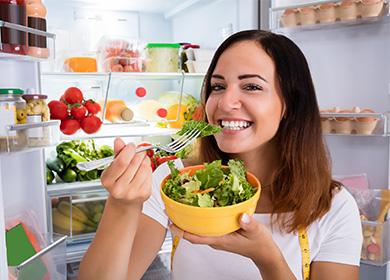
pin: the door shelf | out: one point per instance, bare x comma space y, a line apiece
10, 56
69, 188
50, 259
326, 14
21, 137
354, 124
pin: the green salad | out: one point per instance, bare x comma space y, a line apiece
212, 186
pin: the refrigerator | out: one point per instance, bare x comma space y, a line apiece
347, 48
78, 28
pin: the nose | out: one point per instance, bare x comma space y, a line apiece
229, 100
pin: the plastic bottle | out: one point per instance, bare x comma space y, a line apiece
12, 40
36, 18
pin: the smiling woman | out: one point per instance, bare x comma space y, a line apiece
258, 88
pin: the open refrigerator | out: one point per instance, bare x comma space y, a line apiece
347, 47
75, 29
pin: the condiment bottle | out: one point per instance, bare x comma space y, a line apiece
36, 18
12, 40
117, 111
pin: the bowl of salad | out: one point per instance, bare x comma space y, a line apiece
209, 199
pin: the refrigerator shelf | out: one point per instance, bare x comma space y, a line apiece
354, 124
51, 259
135, 129
41, 57
311, 16
61, 189
21, 137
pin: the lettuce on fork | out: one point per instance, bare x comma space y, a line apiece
212, 186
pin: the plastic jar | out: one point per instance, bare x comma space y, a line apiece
36, 18
12, 111
13, 41
161, 57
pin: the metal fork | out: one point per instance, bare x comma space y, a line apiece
173, 147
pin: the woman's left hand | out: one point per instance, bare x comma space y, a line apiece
252, 240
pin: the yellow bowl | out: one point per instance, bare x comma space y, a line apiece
209, 221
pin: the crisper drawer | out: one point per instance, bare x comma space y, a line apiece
48, 263
78, 214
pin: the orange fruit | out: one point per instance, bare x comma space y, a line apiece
172, 115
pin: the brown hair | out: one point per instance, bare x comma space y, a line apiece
302, 183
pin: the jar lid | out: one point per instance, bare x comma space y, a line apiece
162, 45
34, 96
11, 91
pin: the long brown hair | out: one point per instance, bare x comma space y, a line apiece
302, 183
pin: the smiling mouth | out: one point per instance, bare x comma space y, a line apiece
234, 125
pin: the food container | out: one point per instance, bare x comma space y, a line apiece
326, 13
289, 18
326, 123
36, 106
347, 10
80, 64
343, 125
205, 220
307, 15
119, 55
117, 111
12, 111
162, 57
122, 64
365, 125
197, 66
370, 8
12, 40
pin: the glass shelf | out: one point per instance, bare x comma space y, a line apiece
354, 124
9, 56
68, 188
312, 15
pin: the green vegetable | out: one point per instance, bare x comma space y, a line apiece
68, 175
223, 187
55, 164
206, 129
73, 152
49, 176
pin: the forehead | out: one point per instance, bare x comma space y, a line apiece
246, 57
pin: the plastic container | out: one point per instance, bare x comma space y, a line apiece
289, 18
13, 41
36, 18
326, 13
12, 111
371, 8
347, 10
80, 64
307, 15
162, 57
119, 55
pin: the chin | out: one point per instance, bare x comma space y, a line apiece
230, 148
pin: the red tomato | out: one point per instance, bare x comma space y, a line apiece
58, 110
198, 113
69, 126
140, 92
78, 111
149, 153
152, 165
162, 112
73, 95
91, 124
164, 159
92, 107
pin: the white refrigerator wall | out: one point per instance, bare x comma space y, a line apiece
350, 67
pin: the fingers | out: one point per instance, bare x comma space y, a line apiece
249, 226
118, 166
118, 145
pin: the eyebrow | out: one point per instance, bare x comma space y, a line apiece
241, 77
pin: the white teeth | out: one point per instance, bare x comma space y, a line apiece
235, 125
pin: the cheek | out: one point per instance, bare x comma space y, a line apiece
211, 106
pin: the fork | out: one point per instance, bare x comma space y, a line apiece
173, 147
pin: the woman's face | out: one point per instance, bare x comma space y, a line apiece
245, 98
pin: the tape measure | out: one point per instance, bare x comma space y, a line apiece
303, 243
305, 250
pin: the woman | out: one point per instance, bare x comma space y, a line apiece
259, 89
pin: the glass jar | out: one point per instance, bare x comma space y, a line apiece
12, 40
36, 106
12, 111
36, 17
162, 57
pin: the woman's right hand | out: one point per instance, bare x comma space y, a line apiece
129, 177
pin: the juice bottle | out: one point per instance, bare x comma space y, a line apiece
13, 41
36, 18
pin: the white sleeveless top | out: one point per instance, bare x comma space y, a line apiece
336, 237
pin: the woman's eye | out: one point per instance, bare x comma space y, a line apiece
217, 87
252, 87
